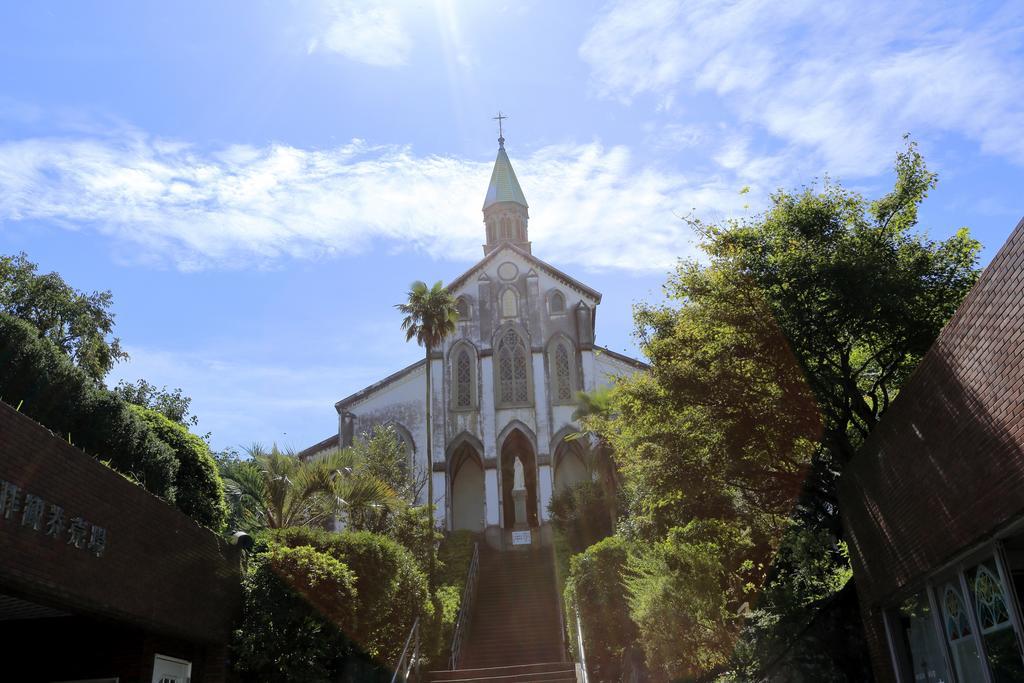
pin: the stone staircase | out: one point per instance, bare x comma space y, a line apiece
515, 633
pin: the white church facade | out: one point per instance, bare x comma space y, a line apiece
503, 386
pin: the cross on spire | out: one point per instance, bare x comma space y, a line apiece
501, 133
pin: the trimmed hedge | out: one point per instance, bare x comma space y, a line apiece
46, 386
391, 588
298, 606
200, 490
595, 587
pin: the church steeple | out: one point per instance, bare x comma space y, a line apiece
506, 212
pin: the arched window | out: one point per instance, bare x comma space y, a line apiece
557, 302
563, 374
959, 634
463, 380
506, 229
991, 601
406, 442
509, 304
462, 306
462, 373
513, 371
957, 624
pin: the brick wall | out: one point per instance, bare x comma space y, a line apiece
159, 570
944, 470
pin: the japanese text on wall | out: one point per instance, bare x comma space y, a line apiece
31, 511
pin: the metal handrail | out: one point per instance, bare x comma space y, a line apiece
409, 660
465, 610
579, 644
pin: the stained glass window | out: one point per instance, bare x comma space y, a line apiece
988, 592
513, 379
563, 374
962, 645
992, 610
463, 380
957, 623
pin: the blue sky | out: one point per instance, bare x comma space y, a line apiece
258, 182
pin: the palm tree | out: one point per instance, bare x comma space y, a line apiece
276, 490
430, 316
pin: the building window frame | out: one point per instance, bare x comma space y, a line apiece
508, 303
955, 576
557, 296
509, 342
555, 378
464, 305
462, 349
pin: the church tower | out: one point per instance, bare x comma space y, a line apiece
506, 212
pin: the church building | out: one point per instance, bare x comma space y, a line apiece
503, 386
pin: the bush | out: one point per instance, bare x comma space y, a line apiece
806, 623
42, 380
200, 490
391, 589
454, 556
595, 587
298, 606
581, 513
412, 528
685, 595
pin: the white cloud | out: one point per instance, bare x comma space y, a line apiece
231, 396
843, 81
364, 31
245, 390
591, 206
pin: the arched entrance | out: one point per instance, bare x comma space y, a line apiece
517, 444
570, 466
467, 486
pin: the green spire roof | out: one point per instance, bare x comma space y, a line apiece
504, 185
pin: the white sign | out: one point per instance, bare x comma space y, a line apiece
521, 538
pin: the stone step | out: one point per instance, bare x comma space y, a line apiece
500, 674
502, 659
547, 678
515, 621
512, 636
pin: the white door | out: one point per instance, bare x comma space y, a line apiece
170, 670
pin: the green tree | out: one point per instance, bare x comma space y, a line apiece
298, 612
42, 382
276, 490
200, 491
595, 587
859, 294
174, 405
383, 455
430, 316
80, 324
772, 359
580, 513
682, 595
723, 425
390, 586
